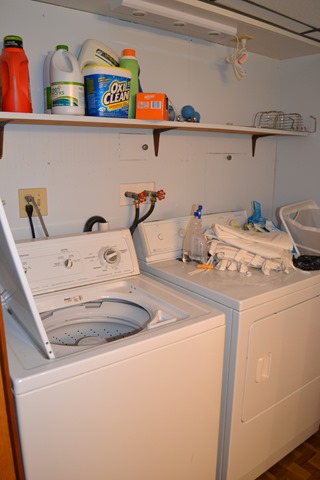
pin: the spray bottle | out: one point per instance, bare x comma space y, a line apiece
198, 242
186, 244
194, 245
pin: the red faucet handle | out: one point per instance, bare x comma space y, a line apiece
161, 194
142, 197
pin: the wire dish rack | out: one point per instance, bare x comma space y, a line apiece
283, 121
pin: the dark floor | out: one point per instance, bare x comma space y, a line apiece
303, 463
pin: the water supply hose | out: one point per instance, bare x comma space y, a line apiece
140, 198
136, 217
154, 196
146, 215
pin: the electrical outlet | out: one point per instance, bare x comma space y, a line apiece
40, 196
134, 187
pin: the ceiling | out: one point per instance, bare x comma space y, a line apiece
297, 16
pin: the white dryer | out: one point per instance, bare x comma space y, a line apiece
114, 375
271, 380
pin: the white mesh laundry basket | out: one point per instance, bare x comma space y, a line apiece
302, 222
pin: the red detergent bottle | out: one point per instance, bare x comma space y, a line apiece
14, 77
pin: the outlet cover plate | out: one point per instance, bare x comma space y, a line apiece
40, 196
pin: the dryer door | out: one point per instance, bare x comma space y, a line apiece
283, 357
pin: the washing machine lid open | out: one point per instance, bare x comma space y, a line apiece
32, 271
15, 291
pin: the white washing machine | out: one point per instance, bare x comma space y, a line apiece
271, 380
114, 375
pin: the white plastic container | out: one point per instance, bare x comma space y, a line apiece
94, 52
67, 84
47, 83
302, 222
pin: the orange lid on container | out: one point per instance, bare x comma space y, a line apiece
128, 52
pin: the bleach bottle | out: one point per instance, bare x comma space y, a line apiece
128, 60
14, 77
67, 84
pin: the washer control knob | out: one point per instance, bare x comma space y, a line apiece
68, 263
110, 255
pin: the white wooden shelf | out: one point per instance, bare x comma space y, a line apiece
157, 127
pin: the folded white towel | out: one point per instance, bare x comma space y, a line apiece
236, 249
268, 244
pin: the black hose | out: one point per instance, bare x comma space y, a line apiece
151, 208
136, 219
91, 221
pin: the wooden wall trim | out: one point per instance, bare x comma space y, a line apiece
10, 455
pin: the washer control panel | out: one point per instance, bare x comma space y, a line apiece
57, 263
162, 239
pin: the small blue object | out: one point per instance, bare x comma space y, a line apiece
197, 116
256, 217
187, 112
172, 113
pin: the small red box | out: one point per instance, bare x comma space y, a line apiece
152, 106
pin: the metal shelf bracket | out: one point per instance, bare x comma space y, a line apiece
2, 125
256, 137
156, 137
